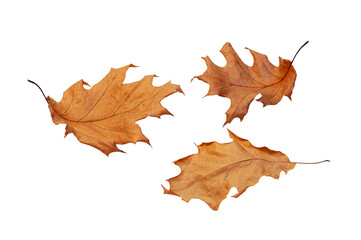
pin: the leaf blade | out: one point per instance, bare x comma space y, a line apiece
105, 115
242, 83
216, 168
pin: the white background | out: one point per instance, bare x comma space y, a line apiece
56, 188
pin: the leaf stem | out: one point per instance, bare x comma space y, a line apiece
39, 89
298, 51
312, 162
294, 58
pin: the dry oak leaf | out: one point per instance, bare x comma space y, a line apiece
105, 115
216, 168
242, 83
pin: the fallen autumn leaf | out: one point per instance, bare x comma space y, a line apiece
105, 115
242, 83
217, 167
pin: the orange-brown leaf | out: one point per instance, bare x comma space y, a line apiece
216, 168
242, 83
105, 115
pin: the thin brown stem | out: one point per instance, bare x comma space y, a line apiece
39, 89
299, 51
312, 162
294, 58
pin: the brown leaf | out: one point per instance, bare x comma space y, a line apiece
242, 83
216, 168
106, 114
